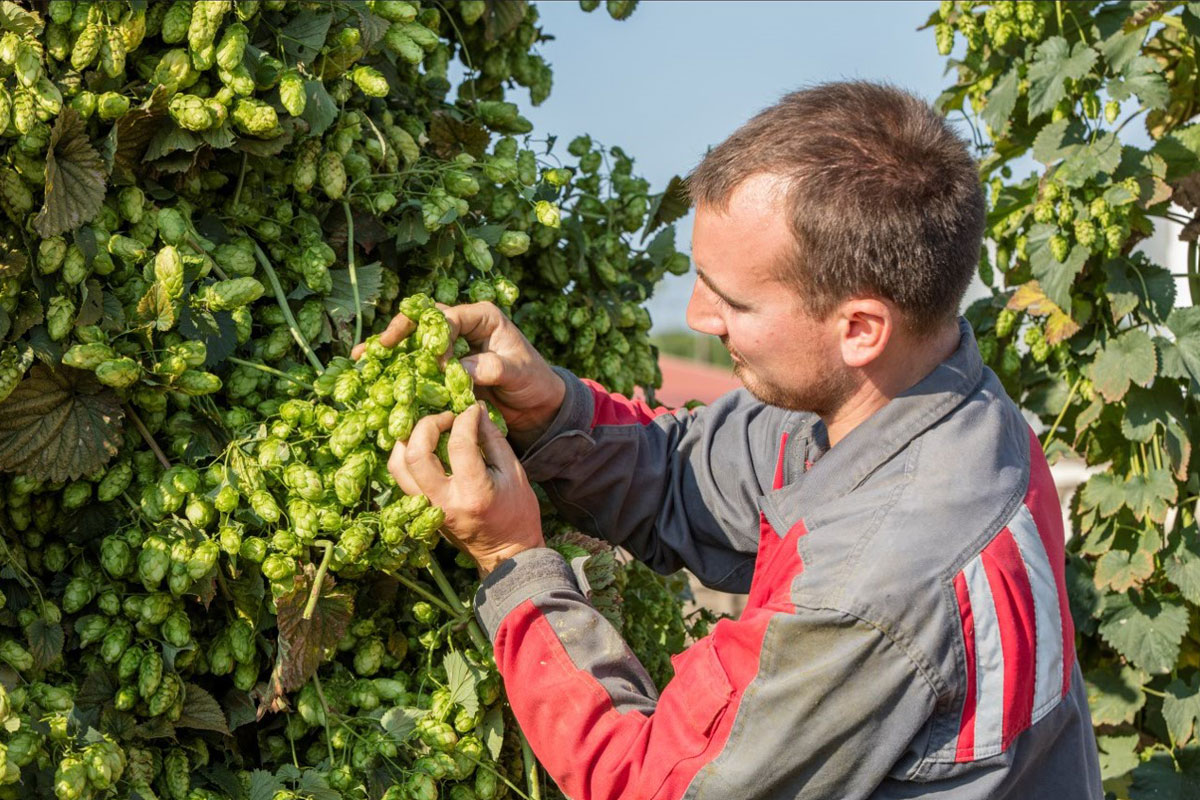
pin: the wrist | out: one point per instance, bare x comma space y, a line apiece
488, 564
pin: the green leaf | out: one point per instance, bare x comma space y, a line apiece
216, 329
201, 711
1118, 755
667, 206
133, 132
1114, 696
502, 17
461, 679
91, 307
219, 138
1054, 278
1104, 492
1185, 324
1180, 149
489, 233
315, 786
1122, 47
1142, 77
1160, 779
662, 245
319, 108
1149, 410
1053, 63
1002, 99
401, 721
410, 232
1151, 495
1122, 570
304, 35
1181, 708
46, 641
1086, 162
1127, 358
170, 139
340, 300
1182, 566
1057, 140
491, 731
1135, 282
305, 643
97, 689
263, 785
1145, 631
74, 178
59, 425
1179, 448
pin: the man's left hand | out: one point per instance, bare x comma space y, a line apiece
491, 510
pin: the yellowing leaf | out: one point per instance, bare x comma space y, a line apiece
305, 643
1029, 298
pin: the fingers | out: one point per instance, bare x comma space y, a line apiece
463, 449
485, 369
415, 465
475, 322
400, 327
496, 449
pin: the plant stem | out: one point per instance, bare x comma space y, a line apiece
195, 243
145, 432
443, 584
1193, 270
353, 272
473, 630
237, 195
428, 595
281, 298
315, 594
533, 785
1062, 413
269, 370
325, 715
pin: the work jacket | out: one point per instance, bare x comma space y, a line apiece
907, 632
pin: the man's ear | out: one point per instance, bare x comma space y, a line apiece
865, 326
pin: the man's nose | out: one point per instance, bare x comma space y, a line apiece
702, 315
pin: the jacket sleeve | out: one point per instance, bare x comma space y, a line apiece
803, 703
675, 488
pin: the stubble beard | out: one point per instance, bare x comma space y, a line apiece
823, 397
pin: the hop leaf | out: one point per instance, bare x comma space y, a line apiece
59, 425
74, 178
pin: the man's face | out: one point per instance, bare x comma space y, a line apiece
783, 356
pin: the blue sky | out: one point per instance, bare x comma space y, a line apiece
678, 77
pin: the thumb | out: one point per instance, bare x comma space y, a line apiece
485, 369
496, 449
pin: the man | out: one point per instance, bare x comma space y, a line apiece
884, 503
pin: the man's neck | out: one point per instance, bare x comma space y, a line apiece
911, 361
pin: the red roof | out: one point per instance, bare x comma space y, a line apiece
685, 380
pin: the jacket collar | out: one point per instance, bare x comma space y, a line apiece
841, 469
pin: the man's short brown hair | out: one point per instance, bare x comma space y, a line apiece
883, 196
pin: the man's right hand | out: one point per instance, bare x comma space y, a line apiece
508, 372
